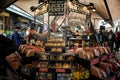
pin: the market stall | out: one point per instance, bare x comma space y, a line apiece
61, 58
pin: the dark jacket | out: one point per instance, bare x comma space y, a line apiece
17, 38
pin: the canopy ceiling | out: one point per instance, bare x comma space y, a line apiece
114, 6
26, 4
106, 9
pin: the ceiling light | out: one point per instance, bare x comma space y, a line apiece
94, 9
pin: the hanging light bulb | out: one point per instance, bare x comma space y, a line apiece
70, 4
94, 9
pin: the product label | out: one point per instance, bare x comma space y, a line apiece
43, 69
60, 70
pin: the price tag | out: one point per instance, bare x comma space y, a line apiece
43, 69
94, 61
104, 57
60, 70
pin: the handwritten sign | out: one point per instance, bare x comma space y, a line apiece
56, 7
43, 69
60, 70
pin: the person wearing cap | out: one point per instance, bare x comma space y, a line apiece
16, 36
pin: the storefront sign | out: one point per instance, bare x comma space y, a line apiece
56, 7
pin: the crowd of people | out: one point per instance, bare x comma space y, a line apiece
110, 39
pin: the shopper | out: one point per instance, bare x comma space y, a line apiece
111, 40
117, 41
101, 37
16, 36
23, 36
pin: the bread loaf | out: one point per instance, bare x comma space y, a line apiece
103, 66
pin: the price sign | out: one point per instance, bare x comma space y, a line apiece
94, 61
60, 70
104, 57
43, 69
56, 7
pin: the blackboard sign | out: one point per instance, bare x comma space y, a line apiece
56, 7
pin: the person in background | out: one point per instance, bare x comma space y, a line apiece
111, 39
101, 37
16, 36
117, 41
23, 36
